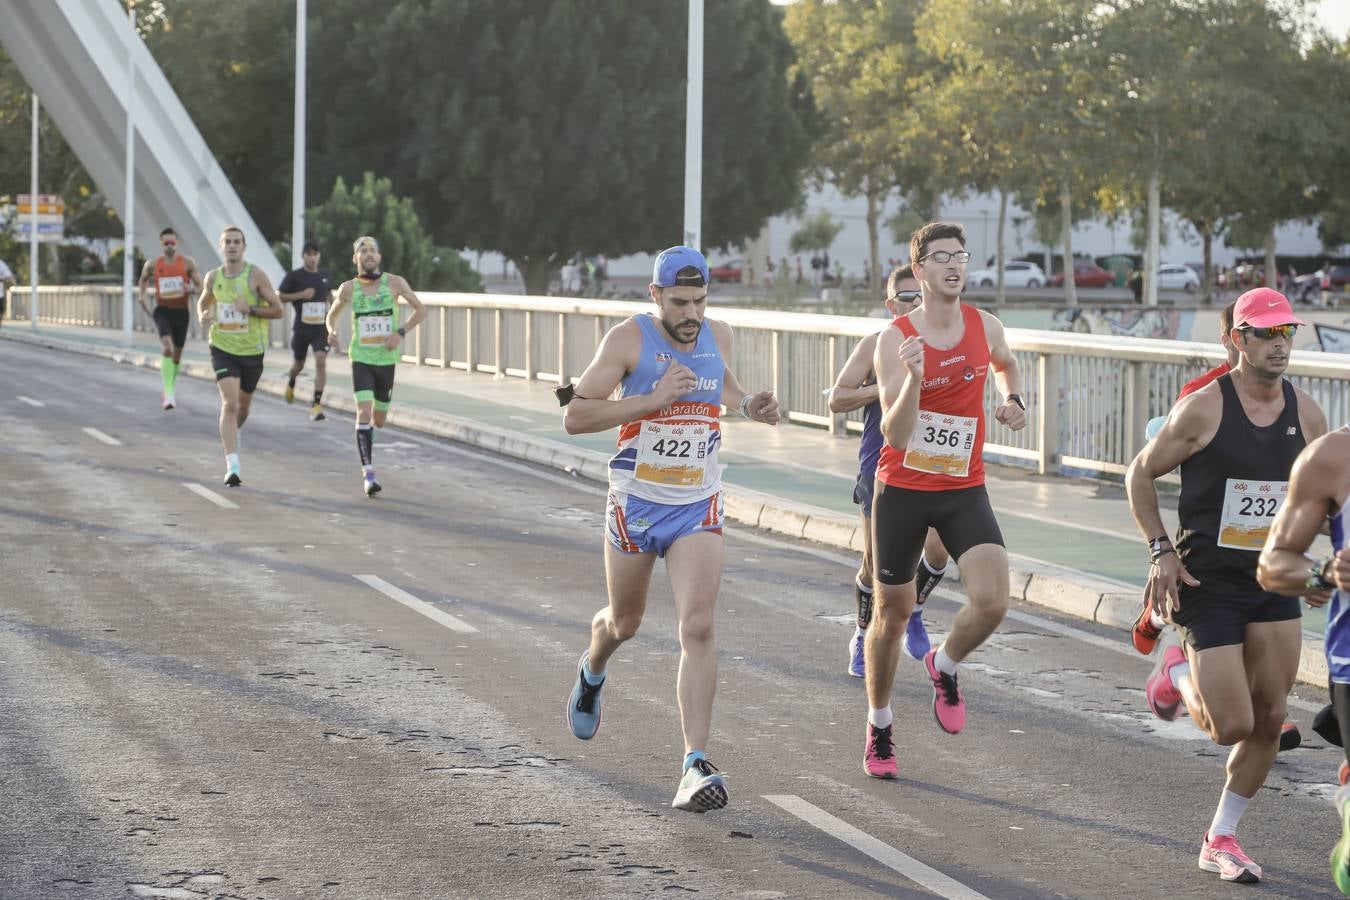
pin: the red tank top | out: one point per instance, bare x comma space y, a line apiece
171, 282
946, 451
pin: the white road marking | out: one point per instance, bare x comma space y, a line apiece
100, 436
921, 874
210, 495
30, 401
420, 606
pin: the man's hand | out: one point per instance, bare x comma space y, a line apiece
763, 407
911, 354
307, 294
1163, 591
242, 305
678, 381
392, 342
1012, 415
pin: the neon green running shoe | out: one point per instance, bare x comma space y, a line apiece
1340, 854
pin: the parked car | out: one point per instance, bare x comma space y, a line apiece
1177, 277
1016, 273
1085, 274
727, 271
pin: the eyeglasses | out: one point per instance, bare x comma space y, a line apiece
905, 296
1269, 334
942, 256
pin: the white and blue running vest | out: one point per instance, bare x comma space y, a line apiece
670, 456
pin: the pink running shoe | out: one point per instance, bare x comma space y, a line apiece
1163, 698
949, 707
1224, 855
879, 753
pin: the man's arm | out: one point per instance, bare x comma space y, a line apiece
762, 407
146, 271
898, 362
1007, 375
590, 409
1310, 416
204, 301
194, 274
262, 286
288, 294
851, 390
344, 296
402, 289
1284, 567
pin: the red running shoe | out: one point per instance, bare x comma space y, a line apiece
1163, 698
1144, 634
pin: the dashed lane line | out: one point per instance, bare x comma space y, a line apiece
211, 495
419, 606
920, 873
30, 401
100, 436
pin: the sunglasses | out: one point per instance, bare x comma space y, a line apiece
942, 256
905, 296
169, 243
1269, 334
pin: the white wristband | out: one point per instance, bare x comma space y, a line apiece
745, 404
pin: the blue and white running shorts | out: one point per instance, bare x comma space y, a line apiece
636, 525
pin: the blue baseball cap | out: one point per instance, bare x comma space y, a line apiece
673, 265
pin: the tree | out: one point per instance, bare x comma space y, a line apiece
858, 60
371, 207
815, 233
1028, 74
558, 127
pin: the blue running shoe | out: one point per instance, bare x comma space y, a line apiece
915, 642
856, 666
583, 707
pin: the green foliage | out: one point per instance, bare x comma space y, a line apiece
371, 207
904, 223
817, 232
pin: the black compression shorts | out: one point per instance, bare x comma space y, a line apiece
901, 518
375, 380
1219, 617
171, 323
248, 369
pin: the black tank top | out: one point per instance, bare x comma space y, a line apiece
1239, 451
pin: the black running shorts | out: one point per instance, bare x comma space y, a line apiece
248, 369
1219, 617
309, 337
901, 518
377, 381
171, 323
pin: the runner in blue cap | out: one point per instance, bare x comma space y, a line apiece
672, 370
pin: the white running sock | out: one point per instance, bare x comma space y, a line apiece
862, 587
368, 470
880, 718
945, 664
1229, 813
232, 461
1178, 672
1156, 621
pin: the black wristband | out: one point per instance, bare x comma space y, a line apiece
1317, 576
1017, 398
402, 332
1159, 554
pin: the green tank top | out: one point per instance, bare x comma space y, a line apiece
231, 330
374, 318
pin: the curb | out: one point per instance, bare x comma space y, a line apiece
1064, 590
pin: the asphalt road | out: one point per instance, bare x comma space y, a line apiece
198, 701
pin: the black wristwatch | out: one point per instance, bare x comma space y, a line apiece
1017, 398
402, 332
1160, 546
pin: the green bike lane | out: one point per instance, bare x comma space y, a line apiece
1077, 524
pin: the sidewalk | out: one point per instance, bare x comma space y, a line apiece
1073, 543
